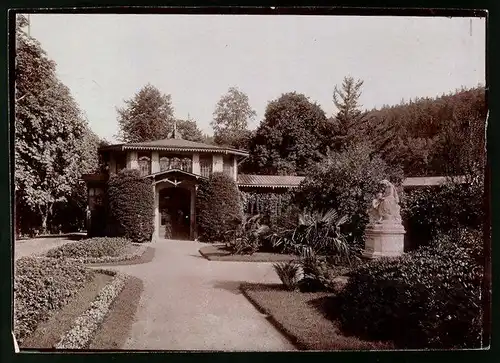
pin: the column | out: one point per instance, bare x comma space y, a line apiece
192, 215
155, 162
235, 168
156, 216
132, 162
196, 164
112, 163
217, 163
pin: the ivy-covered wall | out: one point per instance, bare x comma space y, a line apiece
265, 202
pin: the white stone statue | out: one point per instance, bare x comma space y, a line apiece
385, 208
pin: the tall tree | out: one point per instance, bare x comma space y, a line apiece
293, 135
48, 129
349, 116
147, 116
231, 116
189, 130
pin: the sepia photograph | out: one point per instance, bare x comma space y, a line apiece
249, 182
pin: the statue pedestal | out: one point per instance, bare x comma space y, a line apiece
384, 240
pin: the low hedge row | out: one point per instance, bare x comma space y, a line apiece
430, 298
85, 325
41, 287
98, 247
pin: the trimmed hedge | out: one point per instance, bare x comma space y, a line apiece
219, 208
41, 287
131, 206
430, 298
93, 247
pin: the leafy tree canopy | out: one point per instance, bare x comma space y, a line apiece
231, 117
52, 137
294, 134
147, 116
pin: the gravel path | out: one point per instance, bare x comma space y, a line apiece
190, 303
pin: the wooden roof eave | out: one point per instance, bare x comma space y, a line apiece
182, 149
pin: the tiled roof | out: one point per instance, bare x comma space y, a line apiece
276, 181
171, 144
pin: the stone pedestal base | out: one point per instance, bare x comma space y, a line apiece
384, 240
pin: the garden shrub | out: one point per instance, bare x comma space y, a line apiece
430, 298
93, 247
41, 287
288, 273
432, 210
249, 236
346, 181
219, 210
131, 206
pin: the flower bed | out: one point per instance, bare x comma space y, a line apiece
99, 250
41, 287
86, 325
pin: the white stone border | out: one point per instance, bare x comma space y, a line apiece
129, 256
86, 324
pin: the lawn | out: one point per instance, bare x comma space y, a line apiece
221, 253
307, 319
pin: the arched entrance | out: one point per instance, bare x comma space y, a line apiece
174, 205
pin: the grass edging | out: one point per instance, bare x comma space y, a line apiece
80, 335
145, 257
280, 327
216, 253
107, 259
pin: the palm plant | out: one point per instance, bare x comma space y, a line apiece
288, 272
317, 231
248, 236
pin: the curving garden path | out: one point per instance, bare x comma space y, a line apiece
190, 303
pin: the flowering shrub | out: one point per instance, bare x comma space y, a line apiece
41, 287
98, 247
79, 336
430, 298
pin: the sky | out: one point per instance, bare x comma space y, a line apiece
106, 59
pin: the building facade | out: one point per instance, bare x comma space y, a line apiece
175, 168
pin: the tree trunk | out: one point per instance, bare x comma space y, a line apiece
45, 217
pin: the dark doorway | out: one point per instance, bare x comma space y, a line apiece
174, 207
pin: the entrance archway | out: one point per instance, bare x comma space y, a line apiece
174, 205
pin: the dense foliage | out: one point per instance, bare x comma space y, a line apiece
54, 145
346, 181
433, 210
93, 247
219, 209
430, 298
431, 136
131, 206
231, 116
41, 287
294, 134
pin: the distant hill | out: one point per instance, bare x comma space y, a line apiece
430, 136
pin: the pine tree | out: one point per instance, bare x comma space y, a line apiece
349, 117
